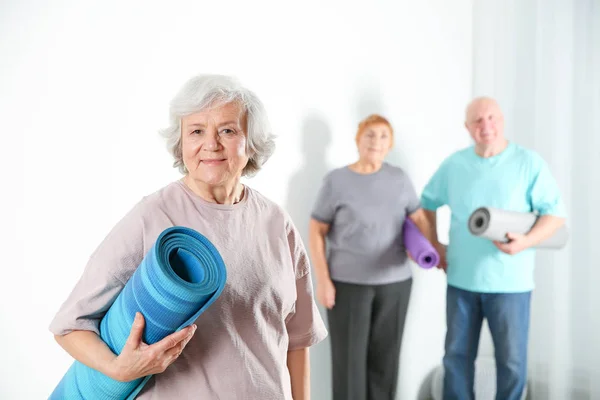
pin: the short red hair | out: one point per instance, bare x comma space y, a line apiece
374, 119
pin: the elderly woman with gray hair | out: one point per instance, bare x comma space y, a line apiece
253, 341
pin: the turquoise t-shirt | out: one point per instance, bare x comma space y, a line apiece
517, 179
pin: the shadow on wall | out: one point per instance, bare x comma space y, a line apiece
303, 188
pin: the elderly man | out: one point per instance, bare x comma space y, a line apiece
486, 279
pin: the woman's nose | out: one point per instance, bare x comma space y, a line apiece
211, 141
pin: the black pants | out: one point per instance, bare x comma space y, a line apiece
365, 328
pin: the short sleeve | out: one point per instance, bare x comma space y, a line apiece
324, 207
544, 194
435, 192
304, 325
103, 277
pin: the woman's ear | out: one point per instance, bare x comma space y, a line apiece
250, 153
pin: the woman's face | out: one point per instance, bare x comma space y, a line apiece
374, 143
213, 144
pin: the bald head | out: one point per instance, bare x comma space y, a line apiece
485, 122
478, 103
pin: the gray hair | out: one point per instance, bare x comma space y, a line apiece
203, 91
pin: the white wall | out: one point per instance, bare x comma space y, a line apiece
84, 88
542, 61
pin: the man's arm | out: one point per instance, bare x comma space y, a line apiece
545, 227
545, 198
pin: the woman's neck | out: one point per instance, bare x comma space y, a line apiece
231, 193
365, 167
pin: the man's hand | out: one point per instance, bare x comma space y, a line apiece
441, 249
516, 243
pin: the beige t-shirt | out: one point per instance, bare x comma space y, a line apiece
239, 350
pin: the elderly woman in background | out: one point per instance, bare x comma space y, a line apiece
260, 328
365, 281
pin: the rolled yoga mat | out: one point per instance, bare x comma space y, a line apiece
178, 279
418, 246
494, 224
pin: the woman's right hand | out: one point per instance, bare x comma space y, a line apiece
326, 293
138, 359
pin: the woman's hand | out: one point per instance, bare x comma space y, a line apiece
138, 359
326, 293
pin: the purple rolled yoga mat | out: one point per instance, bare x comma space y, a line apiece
418, 246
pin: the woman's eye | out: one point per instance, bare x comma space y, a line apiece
228, 131
197, 132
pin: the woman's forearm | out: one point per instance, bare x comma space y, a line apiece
298, 363
426, 221
317, 251
87, 348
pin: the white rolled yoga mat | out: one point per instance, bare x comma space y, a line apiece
495, 223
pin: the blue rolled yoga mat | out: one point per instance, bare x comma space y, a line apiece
178, 279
